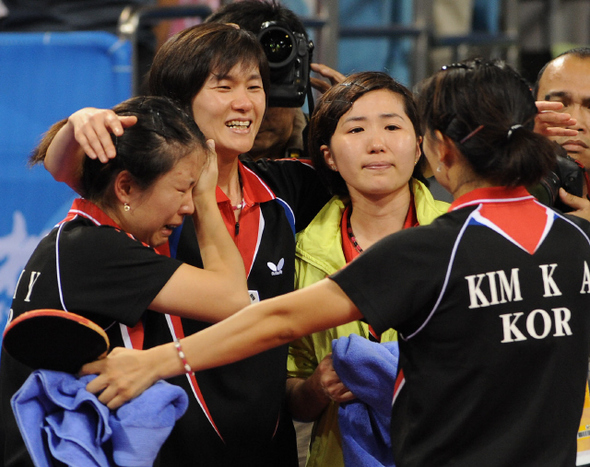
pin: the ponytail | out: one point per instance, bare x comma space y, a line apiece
488, 111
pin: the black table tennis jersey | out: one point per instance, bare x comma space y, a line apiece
88, 266
492, 304
236, 413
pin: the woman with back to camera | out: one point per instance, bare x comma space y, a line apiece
365, 144
219, 74
100, 262
490, 300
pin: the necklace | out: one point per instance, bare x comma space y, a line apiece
239, 206
351, 235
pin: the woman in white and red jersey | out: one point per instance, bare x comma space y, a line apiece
101, 263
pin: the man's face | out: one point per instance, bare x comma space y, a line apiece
275, 131
566, 80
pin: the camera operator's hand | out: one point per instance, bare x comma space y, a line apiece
334, 76
581, 206
551, 122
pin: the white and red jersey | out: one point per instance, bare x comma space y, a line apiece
236, 413
89, 266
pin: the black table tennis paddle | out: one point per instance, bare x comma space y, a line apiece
54, 340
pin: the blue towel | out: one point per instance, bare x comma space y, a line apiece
369, 370
59, 419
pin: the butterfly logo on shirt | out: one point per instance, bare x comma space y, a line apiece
276, 269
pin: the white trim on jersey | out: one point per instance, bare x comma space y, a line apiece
57, 268
190, 382
446, 281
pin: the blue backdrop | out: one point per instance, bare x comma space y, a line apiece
45, 77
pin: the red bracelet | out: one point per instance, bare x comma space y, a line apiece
187, 367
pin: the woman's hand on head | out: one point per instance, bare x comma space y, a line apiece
92, 130
123, 375
551, 122
207, 182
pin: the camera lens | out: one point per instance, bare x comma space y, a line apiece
278, 46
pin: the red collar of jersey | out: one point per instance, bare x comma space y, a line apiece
253, 188
89, 210
490, 195
83, 207
350, 252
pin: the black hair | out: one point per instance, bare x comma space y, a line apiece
486, 108
184, 62
338, 100
250, 14
163, 135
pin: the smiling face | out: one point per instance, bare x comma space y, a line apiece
230, 108
566, 80
158, 210
374, 146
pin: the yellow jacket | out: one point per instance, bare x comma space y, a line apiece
319, 254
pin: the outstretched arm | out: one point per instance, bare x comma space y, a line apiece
87, 131
126, 373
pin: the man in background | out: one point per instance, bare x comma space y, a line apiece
565, 80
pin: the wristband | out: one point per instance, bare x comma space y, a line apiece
182, 356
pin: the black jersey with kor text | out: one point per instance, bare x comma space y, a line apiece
492, 305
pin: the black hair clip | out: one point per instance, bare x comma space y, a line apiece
157, 120
451, 66
473, 133
354, 83
341, 101
454, 127
468, 65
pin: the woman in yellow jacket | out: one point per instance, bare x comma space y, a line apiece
365, 143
